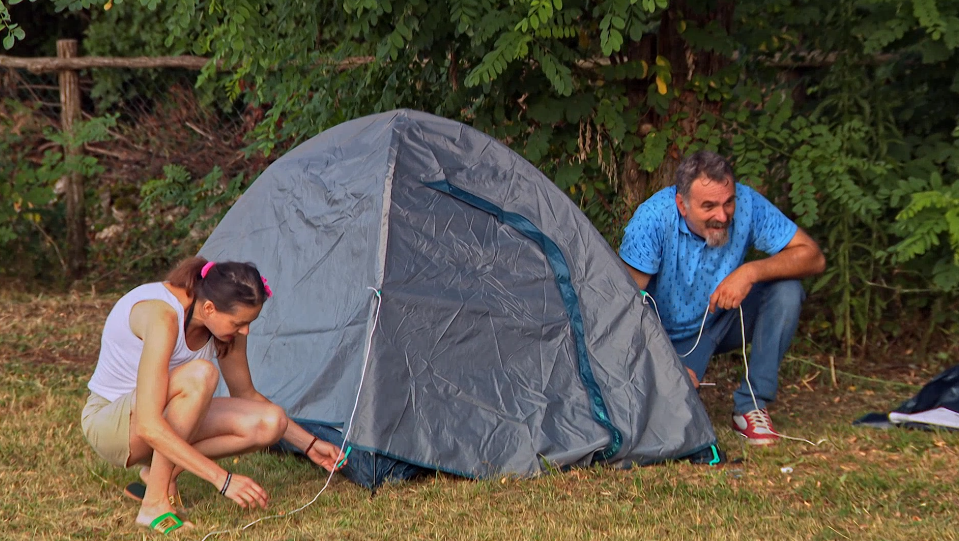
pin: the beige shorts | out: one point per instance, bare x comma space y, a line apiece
106, 426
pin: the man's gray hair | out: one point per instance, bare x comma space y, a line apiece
701, 163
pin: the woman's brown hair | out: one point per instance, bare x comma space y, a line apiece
226, 284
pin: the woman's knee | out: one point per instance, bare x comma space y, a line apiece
197, 376
270, 425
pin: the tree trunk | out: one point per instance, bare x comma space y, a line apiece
685, 62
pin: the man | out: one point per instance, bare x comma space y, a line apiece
686, 246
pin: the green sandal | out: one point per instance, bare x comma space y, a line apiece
166, 523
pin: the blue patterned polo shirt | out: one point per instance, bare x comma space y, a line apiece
685, 271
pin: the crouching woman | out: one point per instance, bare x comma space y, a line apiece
151, 395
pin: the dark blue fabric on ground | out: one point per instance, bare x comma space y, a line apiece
942, 391
363, 467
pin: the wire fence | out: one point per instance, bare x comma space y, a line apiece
40, 90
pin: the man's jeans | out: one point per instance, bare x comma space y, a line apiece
771, 313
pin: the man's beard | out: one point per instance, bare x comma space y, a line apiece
717, 233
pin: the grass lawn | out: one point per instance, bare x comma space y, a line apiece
858, 484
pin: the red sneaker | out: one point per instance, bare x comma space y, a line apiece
756, 426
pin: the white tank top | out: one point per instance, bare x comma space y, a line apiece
120, 349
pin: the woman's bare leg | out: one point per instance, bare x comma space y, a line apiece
234, 426
190, 391
217, 427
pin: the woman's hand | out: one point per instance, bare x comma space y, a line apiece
246, 492
325, 455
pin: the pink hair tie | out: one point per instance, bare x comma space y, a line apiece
206, 268
269, 292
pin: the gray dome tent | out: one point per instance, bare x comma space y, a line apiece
508, 335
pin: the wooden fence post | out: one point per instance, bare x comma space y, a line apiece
69, 113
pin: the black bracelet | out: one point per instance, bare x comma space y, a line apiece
226, 484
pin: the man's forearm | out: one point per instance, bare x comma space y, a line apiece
790, 264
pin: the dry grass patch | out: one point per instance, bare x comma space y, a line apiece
47, 328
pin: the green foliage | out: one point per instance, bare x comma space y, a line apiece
26, 194
196, 206
875, 134
174, 214
509, 47
892, 22
129, 30
29, 208
10, 32
89, 131
842, 112
931, 216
